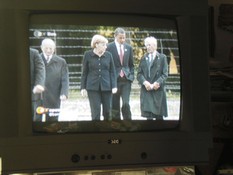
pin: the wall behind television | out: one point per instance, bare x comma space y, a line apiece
223, 38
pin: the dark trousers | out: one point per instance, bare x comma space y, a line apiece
36, 101
123, 92
96, 98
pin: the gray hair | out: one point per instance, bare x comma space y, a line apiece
48, 41
150, 39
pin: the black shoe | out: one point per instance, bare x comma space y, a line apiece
159, 117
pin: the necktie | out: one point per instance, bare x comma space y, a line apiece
151, 58
150, 63
47, 59
121, 54
121, 59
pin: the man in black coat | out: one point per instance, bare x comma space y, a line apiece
57, 79
124, 63
37, 69
152, 75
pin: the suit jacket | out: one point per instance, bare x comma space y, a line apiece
154, 101
56, 81
128, 60
37, 71
98, 72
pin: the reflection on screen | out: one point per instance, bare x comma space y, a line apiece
71, 43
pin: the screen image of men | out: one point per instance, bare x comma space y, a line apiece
56, 80
152, 75
124, 63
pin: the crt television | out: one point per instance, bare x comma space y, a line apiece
75, 142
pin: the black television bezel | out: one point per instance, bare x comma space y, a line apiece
21, 151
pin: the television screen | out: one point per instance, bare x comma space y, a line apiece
37, 136
72, 37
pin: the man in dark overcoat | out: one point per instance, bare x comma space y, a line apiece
37, 73
152, 74
57, 79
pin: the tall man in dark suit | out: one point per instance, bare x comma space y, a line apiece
124, 63
57, 79
37, 73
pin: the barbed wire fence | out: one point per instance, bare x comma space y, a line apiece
73, 41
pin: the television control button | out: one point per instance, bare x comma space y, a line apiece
75, 158
143, 155
93, 157
109, 156
102, 156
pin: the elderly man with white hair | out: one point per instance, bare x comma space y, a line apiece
152, 75
56, 79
